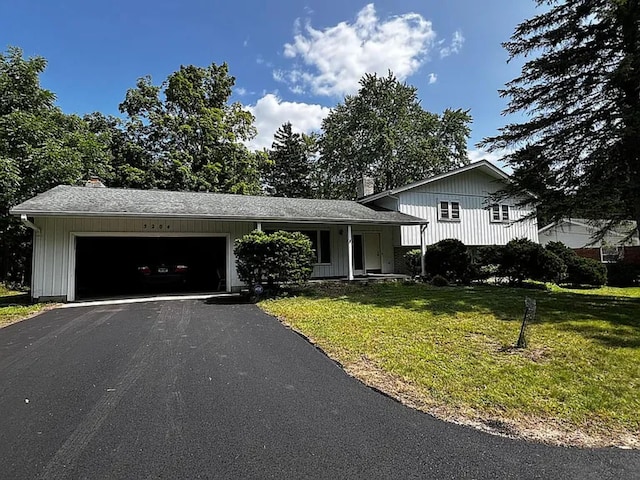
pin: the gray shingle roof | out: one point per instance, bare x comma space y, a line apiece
65, 200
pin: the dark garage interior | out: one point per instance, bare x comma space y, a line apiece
117, 266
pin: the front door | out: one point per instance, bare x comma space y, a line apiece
358, 255
372, 258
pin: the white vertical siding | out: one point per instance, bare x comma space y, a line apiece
339, 249
52, 246
577, 236
471, 189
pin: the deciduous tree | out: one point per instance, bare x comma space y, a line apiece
383, 132
40, 147
188, 133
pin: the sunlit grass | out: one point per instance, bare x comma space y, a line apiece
455, 344
15, 306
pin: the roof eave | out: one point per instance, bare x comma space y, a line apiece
239, 218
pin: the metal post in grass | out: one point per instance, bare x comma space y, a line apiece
529, 316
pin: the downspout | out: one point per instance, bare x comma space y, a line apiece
29, 223
36, 231
423, 249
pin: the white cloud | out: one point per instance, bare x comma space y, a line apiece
337, 57
271, 113
455, 46
433, 78
493, 157
241, 91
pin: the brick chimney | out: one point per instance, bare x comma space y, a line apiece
364, 187
94, 182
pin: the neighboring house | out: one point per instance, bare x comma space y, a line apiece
579, 234
81, 233
458, 205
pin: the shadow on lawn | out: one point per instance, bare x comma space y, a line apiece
11, 300
612, 321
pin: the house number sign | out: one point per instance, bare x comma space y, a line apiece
156, 226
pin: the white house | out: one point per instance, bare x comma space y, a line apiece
458, 204
93, 240
578, 233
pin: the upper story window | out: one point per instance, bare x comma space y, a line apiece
449, 211
500, 213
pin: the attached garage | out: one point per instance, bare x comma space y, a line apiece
102, 242
109, 265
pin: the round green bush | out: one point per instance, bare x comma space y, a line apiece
439, 281
450, 259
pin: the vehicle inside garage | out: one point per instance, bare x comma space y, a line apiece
115, 266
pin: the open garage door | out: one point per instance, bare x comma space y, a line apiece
115, 266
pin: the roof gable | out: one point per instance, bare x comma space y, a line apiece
588, 225
483, 165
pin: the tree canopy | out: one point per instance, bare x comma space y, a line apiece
185, 135
578, 148
291, 162
40, 147
383, 132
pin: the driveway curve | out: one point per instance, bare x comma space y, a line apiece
187, 389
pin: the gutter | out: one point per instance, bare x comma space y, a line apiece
25, 220
230, 218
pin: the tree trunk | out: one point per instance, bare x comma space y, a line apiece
529, 316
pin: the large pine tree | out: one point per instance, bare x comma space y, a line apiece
289, 174
578, 148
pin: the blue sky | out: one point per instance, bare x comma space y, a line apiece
292, 60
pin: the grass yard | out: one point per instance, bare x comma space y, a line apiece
449, 351
15, 306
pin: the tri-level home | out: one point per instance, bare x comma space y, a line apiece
93, 241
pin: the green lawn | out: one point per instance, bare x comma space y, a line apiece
450, 351
15, 306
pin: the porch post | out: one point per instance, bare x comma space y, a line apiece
350, 252
259, 226
423, 250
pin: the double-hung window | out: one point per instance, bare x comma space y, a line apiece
449, 211
320, 243
500, 213
611, 254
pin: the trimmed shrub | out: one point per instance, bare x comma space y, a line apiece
275, 259
623, 274
586, 271
485, 260
413, 261
439, 281
523, 259
580, 270
448, 258
561, 250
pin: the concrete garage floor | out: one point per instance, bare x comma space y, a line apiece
194, 389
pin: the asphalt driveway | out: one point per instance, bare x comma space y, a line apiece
185, 389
